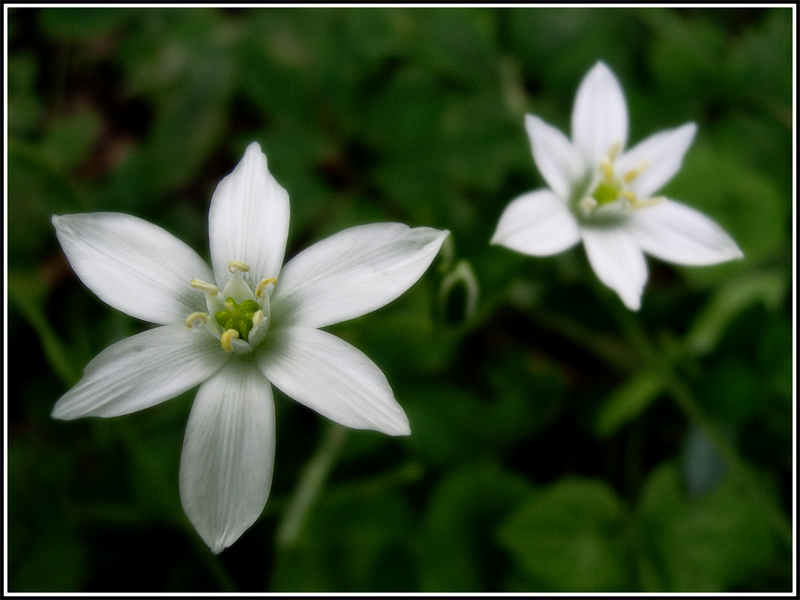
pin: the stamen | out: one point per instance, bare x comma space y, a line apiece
235, 265
196, 319
648, 202
629, 196
588, 204
209, 288
263, 284
636, 171
608, 170
260, 328
227, 338
613, 151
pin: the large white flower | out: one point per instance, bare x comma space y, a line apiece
235, 329
602, 194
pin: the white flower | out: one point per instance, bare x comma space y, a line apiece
602, 194
261, 327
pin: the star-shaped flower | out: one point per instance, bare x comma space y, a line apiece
236, 329
602, 195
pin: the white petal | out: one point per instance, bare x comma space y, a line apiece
537, 223
617, 261
679, 234
333, 378
599, 115
663, 153
141, 371
248, 220
228, 453
132, 265
558, 161
352, 273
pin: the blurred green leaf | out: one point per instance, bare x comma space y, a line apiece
83, 23
37, 189
24, 105
730, 390
628, 401
345, 545
56, 564
704, 544
686, 56
69, 139
570, 537
27, 297
732, 298
455, 546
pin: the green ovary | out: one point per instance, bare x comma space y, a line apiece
605, 192
238, 316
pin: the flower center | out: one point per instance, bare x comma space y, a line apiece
237, 316
612, 195
241, 320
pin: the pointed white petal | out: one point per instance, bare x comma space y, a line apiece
558, 161
141, 371
248, 220
228, 453
663, 153
333, 378
679, 234
132, 265
599, 115
352, 273
617, 261
537, 223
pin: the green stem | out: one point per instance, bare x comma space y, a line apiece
311, 483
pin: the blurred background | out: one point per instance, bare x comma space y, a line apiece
559, 442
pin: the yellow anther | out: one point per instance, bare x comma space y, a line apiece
235, 265
257, 316
636, 171
608, 170
263, 284
613, 151
204, 287
629, 196
193, 319
226, 338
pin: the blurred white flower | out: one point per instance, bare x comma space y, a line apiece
602, 195
235, 329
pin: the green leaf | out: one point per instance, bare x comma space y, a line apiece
26, 294
352, 541
69, 139
628, 402
702, 544
56, 563
455, 547
730, 390
569, 536
730, 300
82, 23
